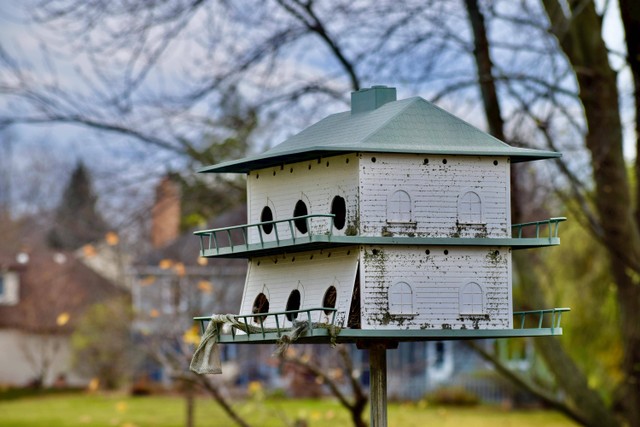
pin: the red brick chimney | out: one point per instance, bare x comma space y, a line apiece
165, 214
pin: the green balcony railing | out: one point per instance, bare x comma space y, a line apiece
549, 318
261, 234
540, 229
280, 322
269, 327
318, 229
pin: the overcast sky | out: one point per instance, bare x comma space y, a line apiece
121, 163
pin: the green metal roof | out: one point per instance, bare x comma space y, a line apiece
411, 125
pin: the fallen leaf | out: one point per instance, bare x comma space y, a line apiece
63, 319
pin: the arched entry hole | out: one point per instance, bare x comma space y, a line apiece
329, 300
339, 209
266, 216
260, 305
293, 303
301, 210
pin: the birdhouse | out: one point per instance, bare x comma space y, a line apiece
388, 221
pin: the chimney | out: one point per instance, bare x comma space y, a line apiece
371, 98
165, 214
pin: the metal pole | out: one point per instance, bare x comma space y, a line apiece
378, 384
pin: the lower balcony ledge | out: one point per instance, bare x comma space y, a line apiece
239, 329
323, 336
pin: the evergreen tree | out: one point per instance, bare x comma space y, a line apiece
77, 221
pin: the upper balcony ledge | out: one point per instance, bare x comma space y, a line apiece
315, 231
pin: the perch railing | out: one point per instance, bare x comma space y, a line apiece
551, 317
303, 229
281, 322
253, 324
551, 225
218, 238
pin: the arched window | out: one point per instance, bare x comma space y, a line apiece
400, 298
399, 207
301, 210
471, 299
339, 209
470, 208
293, 303
266, 216
260, 305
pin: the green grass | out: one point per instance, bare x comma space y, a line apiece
123, 411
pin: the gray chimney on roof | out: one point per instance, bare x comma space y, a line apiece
371, 98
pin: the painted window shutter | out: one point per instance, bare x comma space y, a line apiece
471, 299
401, 299
399, 207
470, 208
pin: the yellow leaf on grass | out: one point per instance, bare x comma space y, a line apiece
93, 384
63, 319
254, 387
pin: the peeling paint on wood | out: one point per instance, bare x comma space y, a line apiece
314, 183
436, 280
312, 273
434, 189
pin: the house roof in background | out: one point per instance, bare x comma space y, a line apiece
51, 282
186, 248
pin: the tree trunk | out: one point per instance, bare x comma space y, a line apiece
630, 14
485, 70
580, 37
567, 374
586, 403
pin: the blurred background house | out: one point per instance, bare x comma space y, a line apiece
43, 294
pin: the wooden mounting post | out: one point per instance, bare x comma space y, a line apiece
378, 384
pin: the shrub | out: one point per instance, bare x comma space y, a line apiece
453, 396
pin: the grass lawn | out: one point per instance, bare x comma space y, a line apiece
125, 411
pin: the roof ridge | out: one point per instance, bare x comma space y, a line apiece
382, 125
466, 123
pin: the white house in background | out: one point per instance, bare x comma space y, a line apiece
43, 294
394, 217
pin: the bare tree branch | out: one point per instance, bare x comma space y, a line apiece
528, 385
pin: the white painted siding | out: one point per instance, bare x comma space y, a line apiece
23, 352
437, 280
310, 272
10, 292
315, 182
434, 188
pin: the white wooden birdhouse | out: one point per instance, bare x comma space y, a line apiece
391, 220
